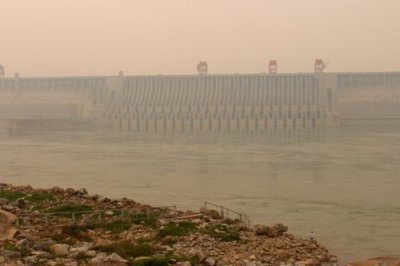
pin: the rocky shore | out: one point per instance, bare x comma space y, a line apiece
71, 227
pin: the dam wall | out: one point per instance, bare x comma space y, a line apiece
365, 98
205, 102
222, 102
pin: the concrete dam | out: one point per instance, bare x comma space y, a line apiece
204, 102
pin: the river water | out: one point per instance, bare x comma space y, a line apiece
343, 183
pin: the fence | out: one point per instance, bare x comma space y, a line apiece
227, 213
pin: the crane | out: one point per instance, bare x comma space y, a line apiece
202, 68
273, 66
319, 65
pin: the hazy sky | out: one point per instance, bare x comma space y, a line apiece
98, 37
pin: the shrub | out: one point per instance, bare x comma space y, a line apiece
222, 232
10, 195
127, 249
67, 209
178, 229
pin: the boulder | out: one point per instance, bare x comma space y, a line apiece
7, 228
262, 230
209, 262
59, 250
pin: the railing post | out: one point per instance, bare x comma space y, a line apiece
73, 217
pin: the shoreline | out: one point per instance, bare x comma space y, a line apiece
72, 226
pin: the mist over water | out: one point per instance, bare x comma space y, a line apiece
341, 183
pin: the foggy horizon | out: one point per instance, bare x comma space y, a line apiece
63, 38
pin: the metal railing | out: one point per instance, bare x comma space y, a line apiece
227, 213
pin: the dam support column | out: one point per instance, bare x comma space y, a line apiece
328, 98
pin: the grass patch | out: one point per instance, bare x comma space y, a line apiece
11, 195
38, 198
76, 231
127, 249
115, 227
153, 261
67, 209
178, 229
144, 218
222, 232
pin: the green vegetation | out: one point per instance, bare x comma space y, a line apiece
67, 209
38, 198
178, 229
144, 218
10, 195
222, 232
153, 261
127, 249
115, 227
22, 249
76, 232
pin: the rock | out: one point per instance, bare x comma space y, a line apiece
209, 262
82, 191
281, 228
11, 254
90, 253
141, 259
115, 258
197, 253
183, 263
22, 243
99, 259
221, 263
279, 244
262, 231
253, 257
43, 245
282, 254
59, 250
7, 228
273, 232
109, 213
214, 214
20, 203
4, 201
31, 260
